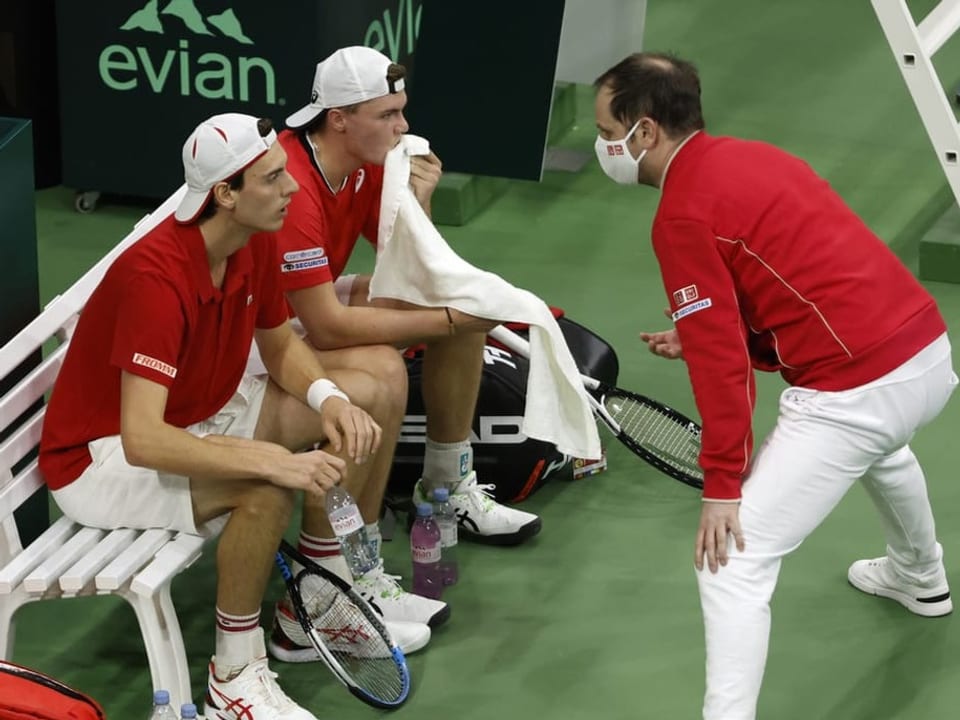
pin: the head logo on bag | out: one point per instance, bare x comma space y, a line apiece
488, 430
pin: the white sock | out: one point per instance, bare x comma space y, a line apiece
236, 648
446, 464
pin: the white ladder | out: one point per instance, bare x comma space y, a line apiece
914, 46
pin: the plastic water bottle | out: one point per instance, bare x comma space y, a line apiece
425, 553
188, 711
348, 526
447, 522
161, 707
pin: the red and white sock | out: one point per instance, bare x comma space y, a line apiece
326, 553
318, 548
239, 642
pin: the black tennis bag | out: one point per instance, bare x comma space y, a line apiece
502, 454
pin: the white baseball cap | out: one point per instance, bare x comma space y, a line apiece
220, 148
351, 75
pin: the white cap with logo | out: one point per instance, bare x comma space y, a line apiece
220, 148
351, 75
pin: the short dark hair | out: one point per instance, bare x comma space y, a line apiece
264, 127
395, 72
655, 85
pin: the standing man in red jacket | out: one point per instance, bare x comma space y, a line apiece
766, 268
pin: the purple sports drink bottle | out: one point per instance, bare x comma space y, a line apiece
425, 553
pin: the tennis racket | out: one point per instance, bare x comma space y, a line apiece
348, 635
658, 434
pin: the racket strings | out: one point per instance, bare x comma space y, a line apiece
656, 432
355, 641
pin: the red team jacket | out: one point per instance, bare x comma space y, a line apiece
766, 268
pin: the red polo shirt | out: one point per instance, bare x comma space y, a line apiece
322, 224
156, 314
767, 268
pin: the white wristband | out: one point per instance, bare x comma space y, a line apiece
320, 390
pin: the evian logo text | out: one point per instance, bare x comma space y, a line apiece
179, 69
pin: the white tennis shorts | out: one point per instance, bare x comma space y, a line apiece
111, 493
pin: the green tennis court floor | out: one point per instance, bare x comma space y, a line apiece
599, 616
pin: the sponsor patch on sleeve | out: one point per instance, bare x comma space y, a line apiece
690, 309
304, 264
154, 364
298, 255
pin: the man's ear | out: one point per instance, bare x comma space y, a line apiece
223, 195
648, 132
336, 119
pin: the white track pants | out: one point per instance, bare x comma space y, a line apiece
822, 443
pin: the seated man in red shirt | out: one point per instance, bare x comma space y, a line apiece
766, 268
152, 422
337, 146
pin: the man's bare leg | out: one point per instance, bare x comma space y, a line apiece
451, 382
375, 379
259, 514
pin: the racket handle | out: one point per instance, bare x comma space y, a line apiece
521, 347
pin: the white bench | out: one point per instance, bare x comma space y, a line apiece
68, 559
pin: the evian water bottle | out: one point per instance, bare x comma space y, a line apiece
447, 522
348, 526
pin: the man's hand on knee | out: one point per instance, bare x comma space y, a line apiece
346, 425
313, 472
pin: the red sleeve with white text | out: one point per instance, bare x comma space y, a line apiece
715, 342
301, 252
149, 330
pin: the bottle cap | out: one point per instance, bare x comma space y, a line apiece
424, 509
161, 697
188, 710
441, 494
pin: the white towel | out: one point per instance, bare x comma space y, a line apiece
415, 264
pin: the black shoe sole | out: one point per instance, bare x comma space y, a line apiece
439, 618
520, 536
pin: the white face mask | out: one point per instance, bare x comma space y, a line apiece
615, 158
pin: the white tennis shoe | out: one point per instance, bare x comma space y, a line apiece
252, 695
289, 643
482, 519
879, 577
384, 593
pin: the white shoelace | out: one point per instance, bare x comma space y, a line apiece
485, 491
264, 688
379, 578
